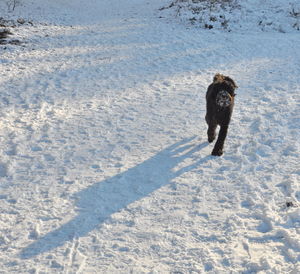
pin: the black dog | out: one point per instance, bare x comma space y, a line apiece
219, 105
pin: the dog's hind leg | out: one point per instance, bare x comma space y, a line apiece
218, 149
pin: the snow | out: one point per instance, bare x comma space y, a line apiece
236, 15
105, 165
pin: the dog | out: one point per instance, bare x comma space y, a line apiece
219, 106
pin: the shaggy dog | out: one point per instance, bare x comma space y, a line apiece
219, 105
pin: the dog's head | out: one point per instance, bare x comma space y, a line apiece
223, 82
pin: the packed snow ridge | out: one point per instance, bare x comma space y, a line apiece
104, 161
239, 15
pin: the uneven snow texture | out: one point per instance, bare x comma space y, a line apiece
105, 165
239, 15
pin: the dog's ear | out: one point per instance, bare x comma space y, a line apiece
233, 84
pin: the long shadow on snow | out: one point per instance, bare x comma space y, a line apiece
98, 202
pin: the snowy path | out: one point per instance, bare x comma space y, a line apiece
104, 162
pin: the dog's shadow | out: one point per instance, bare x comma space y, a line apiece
97, 203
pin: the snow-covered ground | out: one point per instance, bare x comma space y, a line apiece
239, 15
105, 166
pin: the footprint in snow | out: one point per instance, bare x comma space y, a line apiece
12, 150
3, 170
49, 157
36, 148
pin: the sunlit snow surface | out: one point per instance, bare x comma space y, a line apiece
105, 165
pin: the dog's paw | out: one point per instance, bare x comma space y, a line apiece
211, 139
217, 152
